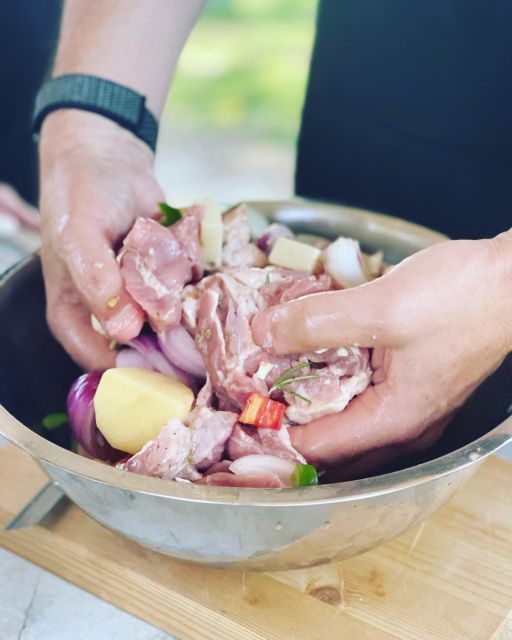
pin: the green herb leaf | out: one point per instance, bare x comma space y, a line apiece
267, 279
170, 215
54, 420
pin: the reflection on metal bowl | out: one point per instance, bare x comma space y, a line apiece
242, 528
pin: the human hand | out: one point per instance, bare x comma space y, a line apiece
15, 212
439, 323
96, 179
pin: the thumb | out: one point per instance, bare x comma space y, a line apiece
353, 317
97, 278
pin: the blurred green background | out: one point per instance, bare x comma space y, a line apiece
245, 66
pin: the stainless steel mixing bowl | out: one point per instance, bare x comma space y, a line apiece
242, 528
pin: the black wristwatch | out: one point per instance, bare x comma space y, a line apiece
114, 101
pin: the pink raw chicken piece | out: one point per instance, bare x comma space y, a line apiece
156, 263
246, 441
329, 394
210, 432
238, 251
224, 339
167, 456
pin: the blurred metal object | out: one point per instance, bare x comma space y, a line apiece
256, 528
15, 244
38, 508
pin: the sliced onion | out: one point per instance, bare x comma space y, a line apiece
180, 348
260, 463
82, 420
131, 358
149, 349
344, 262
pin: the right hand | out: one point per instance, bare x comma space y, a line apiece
96, 179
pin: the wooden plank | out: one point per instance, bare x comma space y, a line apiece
449, 578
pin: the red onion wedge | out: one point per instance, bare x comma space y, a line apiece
180, 348
268, 238
132, 358
82, 420
149, 349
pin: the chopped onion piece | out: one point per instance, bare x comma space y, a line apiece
344, 262
263, 370
261, 463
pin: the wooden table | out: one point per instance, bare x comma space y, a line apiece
450, 578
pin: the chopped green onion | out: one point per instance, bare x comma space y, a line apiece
304, 475
170, 215
267, 279
54, 420
112, 345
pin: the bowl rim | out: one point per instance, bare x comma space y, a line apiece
55, 457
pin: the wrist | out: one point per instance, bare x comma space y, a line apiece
501, 273
68, 131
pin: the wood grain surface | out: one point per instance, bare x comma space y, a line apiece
450, 578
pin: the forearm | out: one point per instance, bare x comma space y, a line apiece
502, 276
133, 42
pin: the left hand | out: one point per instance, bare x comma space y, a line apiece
439, 323
14, 209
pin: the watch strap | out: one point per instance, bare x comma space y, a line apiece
89, 93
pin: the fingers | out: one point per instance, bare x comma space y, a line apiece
96, 276
70, 324
11, 203
353, 317
366, 424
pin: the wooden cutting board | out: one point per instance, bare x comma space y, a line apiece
450, 578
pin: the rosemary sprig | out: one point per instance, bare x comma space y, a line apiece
297, 395
292, 380
289, 373
287, 378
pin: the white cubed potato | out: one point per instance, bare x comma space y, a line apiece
132, 405
211, 232
291, 254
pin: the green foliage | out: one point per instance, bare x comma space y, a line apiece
245, 67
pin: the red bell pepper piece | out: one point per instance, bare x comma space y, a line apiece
263, 412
